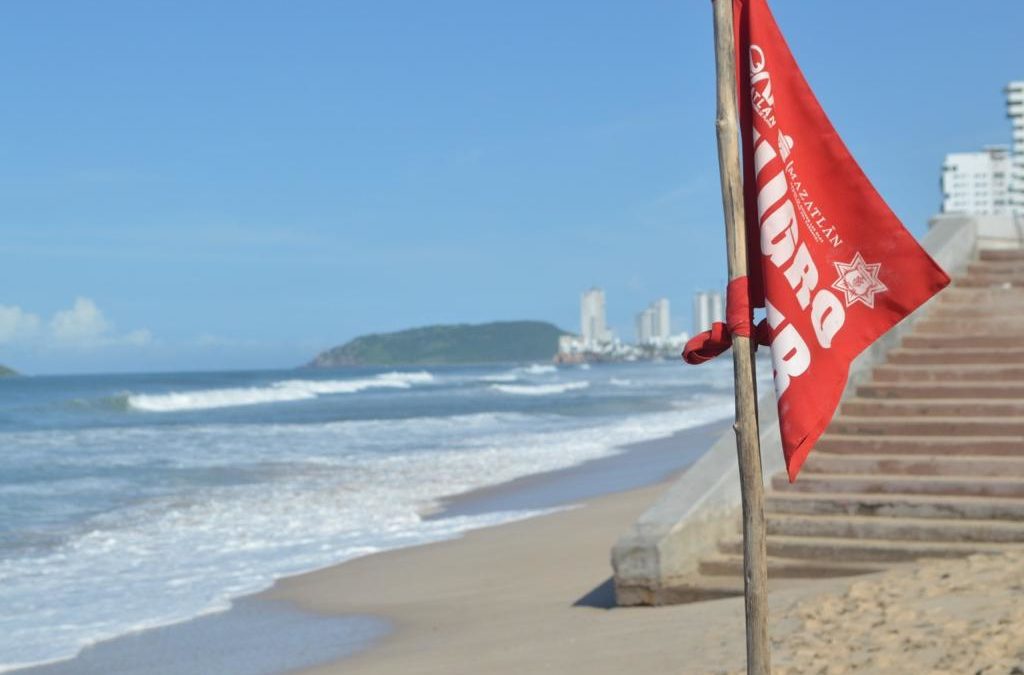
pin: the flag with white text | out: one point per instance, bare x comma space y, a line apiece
828, 259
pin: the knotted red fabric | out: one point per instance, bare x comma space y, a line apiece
738, 319
828, 260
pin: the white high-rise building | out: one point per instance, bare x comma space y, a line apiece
654, 324
593, 326
990, 182
662, 327
708, 307
645, 327
1015, 111
977, 182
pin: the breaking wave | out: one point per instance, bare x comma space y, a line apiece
539, 389
278, 392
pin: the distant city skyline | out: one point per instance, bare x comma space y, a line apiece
231, 185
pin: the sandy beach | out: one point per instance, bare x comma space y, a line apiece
529, 597
534, 597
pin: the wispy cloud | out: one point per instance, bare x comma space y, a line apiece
17, 324
82, 326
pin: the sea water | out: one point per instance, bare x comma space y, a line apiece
134, 501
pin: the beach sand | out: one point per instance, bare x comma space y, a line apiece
528, 597
942, 617
534, 597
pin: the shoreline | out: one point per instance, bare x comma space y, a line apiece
533, 596
316, 637
637, 465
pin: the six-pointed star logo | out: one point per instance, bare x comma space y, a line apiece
859, 281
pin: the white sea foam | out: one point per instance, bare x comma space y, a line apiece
277, 392
540, 389
193, 515
519, 373
500, 377
313, 495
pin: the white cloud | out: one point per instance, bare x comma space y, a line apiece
16, 324
81, 326
138, 338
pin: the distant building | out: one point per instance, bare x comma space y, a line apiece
654, 324
990, 182
977, 182
593, 324
662, 319
645, 327
708, 307
1015, 111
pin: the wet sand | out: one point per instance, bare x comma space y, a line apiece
528, 597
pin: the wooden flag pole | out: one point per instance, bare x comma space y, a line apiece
748, 446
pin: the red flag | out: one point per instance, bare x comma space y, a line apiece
829, 260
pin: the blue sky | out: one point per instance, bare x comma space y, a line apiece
196, 185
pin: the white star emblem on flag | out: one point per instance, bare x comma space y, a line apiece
859, 281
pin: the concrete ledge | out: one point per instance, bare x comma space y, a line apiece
686, 523
663, 548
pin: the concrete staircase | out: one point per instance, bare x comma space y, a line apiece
925, 460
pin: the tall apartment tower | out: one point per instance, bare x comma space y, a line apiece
708, 307
645, 327
593, 326
662, 327
978, 182
1015, 111
654, 324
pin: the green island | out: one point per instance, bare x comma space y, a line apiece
496, 342
7, 372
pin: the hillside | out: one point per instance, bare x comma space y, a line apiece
500, 341
7, 372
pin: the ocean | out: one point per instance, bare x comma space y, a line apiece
134, 501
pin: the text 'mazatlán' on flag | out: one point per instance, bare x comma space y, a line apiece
830, 262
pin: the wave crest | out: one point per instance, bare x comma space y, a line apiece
539, 389
277, 392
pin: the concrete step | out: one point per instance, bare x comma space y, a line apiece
996, 267
895, 506
697, 587
965, 355
931, 407
919, 465
1001, 254
893, 528
989, 281
876, 425
850, 444
689, 588
954, 341
985, 296
973, 486
977, 372
941, 390
971, 310
972, 325
731, 566
866, 550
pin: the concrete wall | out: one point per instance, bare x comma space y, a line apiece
668, 540
992, 231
